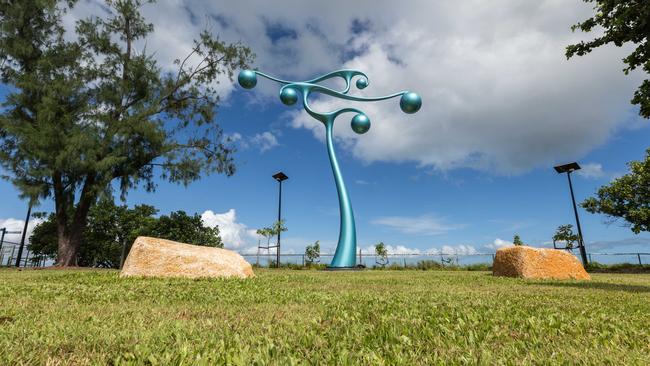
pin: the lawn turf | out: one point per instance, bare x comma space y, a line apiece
315, 317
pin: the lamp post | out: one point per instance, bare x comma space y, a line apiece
280, 176
568, 169
22, 239
410, 102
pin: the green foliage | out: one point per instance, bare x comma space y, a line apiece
382, 254
271, 231
478, 267
564, 234
627, 197
112, 229
596, 267
278, 227
517, 240
312, 252
266, 232
93, 108
43, 240
285, 317
179, 226
623, 22
429, 264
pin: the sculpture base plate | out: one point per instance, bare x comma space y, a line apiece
357, 268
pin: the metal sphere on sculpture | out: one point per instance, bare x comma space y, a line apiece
362, 83
410, 102
360, 123
247, 79
289, 96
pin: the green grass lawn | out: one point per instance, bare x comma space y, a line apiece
314, 317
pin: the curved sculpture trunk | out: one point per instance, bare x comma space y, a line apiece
345, 255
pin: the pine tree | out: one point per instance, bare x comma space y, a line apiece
83, 114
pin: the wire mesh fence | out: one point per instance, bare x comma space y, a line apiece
372, 260
443, 259
9, 252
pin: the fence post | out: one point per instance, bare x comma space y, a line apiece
13, 250
590, 258
404, 261
303, 260
638, 255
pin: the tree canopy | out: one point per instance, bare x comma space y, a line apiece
565, 235
271, 231
623, 21
382, 254
112, 229
312, 252
93, 111
627, 197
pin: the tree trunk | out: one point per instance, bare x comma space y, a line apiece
69, 237
68, 250
70, 234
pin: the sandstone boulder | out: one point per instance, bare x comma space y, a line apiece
536, 263
153, 257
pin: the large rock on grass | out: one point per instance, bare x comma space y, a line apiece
535, 263
153, 257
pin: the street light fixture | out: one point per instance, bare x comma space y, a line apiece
280, 176
568, 169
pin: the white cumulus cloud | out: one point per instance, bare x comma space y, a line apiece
17, 225
498, 243
261, 141
233, 233
591, 171
264, 141
498, 93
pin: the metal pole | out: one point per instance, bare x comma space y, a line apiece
2, 239
22, 239
638, 255
583, 252
279, 224
13, 251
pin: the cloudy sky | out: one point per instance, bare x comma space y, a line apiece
501, 106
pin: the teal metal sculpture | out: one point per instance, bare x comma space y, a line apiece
345, 255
